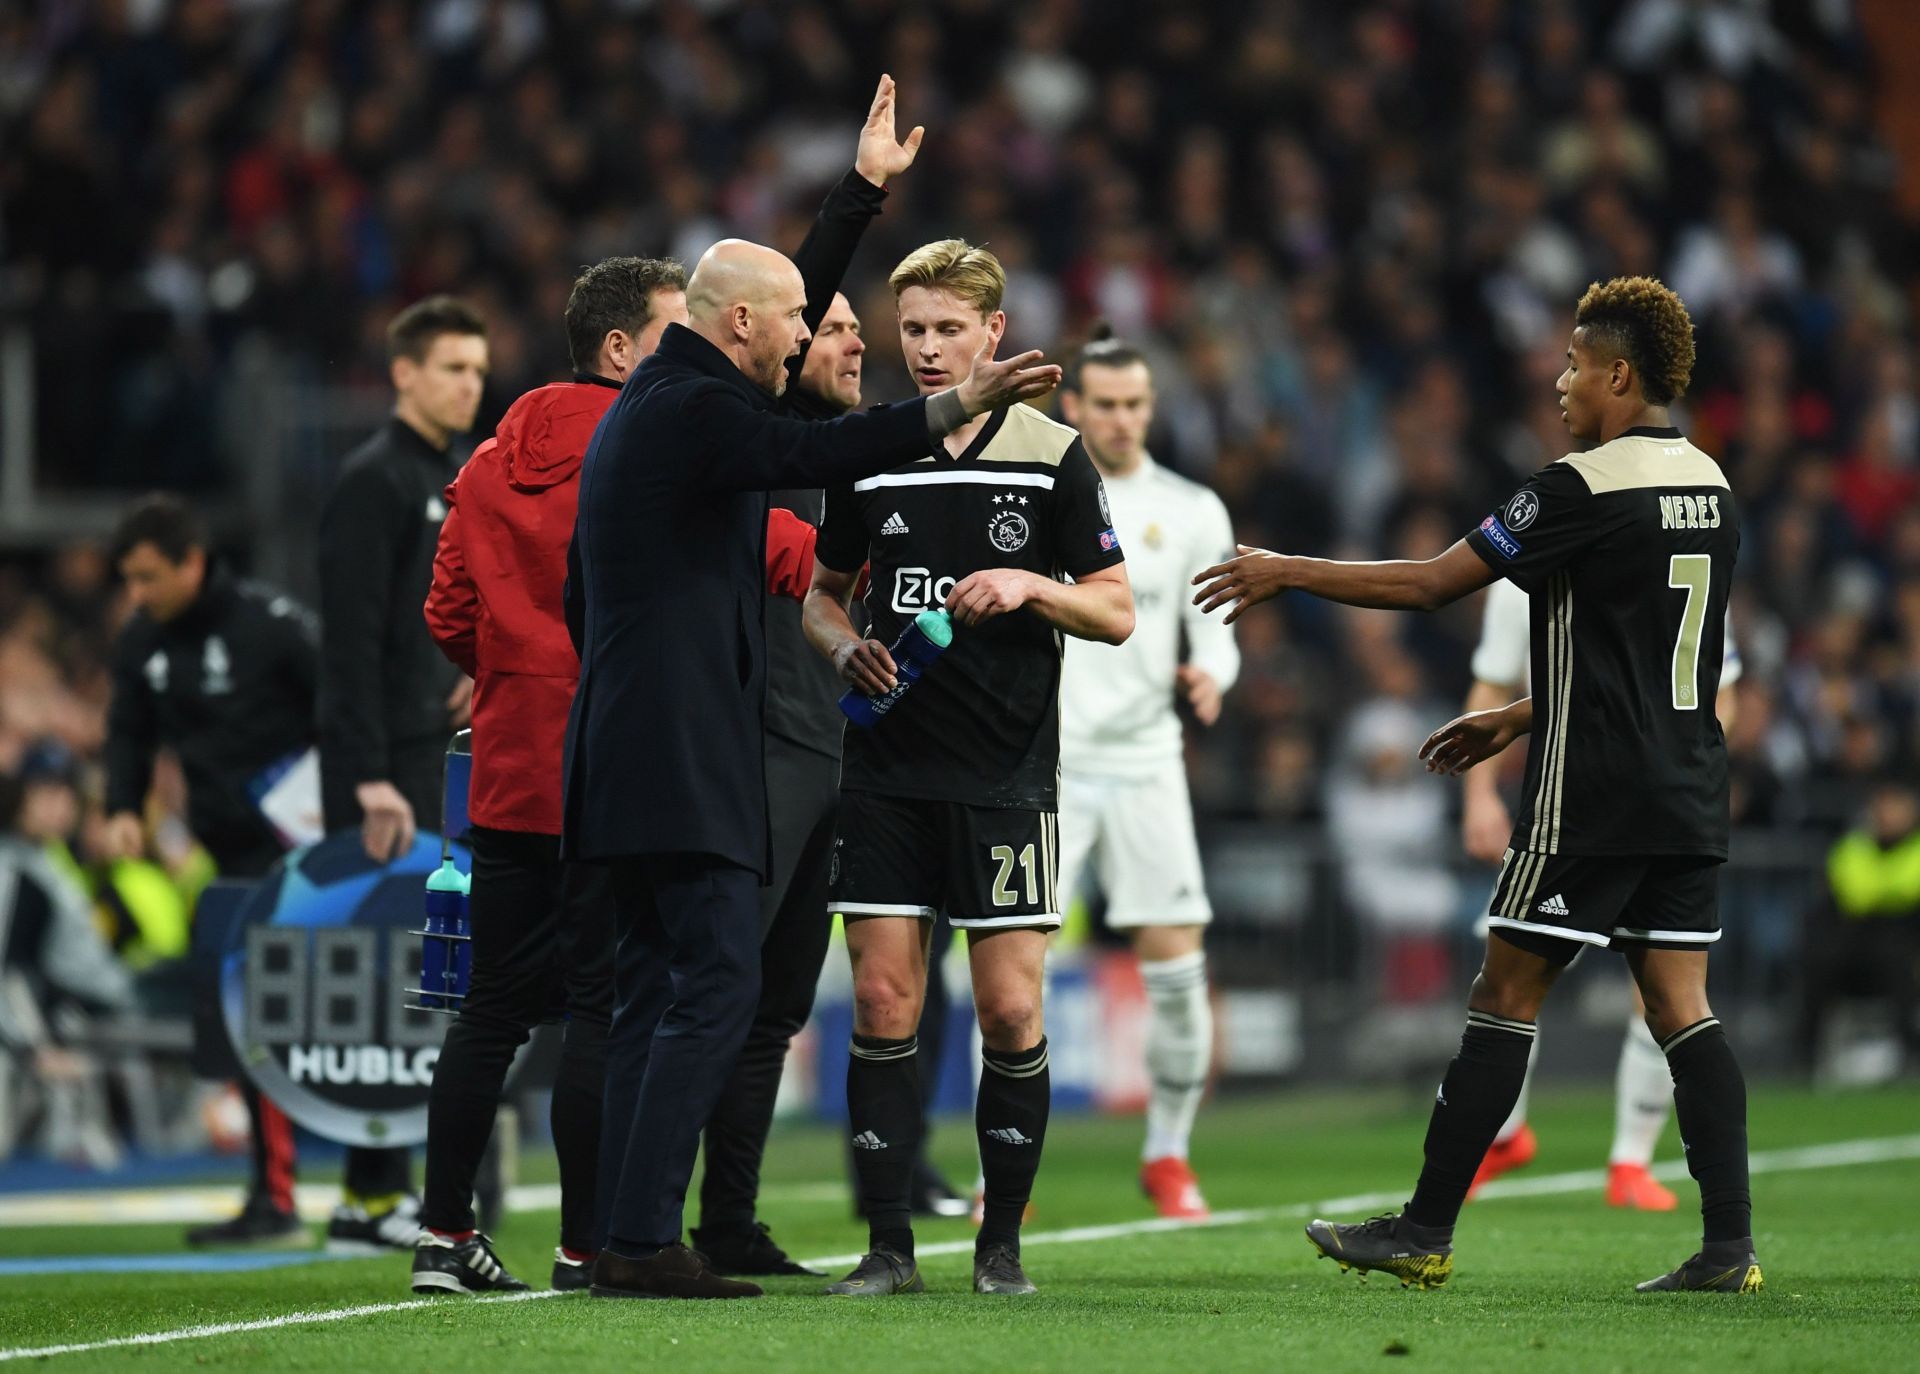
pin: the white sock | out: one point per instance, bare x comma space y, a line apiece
1642, 1097
1179, 1050
1518, 1116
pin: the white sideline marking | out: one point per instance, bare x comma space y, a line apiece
314, 1202
1838, 1154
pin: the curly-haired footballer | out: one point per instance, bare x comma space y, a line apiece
1626, 551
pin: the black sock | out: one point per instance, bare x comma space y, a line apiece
1477, 1095
1010, 1118
883, 1105
1710, 1102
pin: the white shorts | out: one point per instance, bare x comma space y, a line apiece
1136, 836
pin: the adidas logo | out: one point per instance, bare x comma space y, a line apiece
1010, 1135
894, 525
867, 1140
1554, 906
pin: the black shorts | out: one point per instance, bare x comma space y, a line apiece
1668, 901
991, 869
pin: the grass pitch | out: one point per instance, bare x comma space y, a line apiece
1541, 1282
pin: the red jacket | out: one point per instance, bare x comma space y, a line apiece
495, 607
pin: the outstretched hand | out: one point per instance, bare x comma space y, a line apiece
880, 155
995, 384
1256, 575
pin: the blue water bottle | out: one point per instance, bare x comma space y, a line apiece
446, 921
460, 981
926, 637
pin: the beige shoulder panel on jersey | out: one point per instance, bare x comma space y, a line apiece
1635, 461
1027, 436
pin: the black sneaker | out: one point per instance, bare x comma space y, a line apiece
996, 1270
751, 1251
466, 1266
259, 1223
1729, 1266
354, 1231
570, 1275
1382, 1243
882, 1272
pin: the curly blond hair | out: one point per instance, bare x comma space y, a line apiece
1642, 320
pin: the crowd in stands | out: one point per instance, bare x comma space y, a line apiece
1349, 235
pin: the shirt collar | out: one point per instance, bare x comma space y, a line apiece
407, 437
683, 345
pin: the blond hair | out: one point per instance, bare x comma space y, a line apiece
955, 266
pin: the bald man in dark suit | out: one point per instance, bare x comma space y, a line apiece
664, 772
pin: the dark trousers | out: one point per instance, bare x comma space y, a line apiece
270, 1152
270, 1147
686, 981
542, 949
803, 791
418, 770
1876, 956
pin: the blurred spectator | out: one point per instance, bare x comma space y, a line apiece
56, 976
1866, 938
1388, 821
1349, 237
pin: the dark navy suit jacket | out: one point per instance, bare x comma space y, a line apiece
665, 593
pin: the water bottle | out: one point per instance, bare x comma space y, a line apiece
926, 637
447, 889
460, 981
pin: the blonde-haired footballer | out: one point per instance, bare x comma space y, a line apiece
951, 800
1124, 812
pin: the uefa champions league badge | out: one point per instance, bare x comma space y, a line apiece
314, 992
1522, 511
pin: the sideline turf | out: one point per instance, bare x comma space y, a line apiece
1540, 1283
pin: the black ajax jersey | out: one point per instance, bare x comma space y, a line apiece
1626, 553
982, 727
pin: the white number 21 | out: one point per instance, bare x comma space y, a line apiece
1002, 856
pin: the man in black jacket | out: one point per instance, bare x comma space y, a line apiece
664, 771
223, 673
803, 735
388, 700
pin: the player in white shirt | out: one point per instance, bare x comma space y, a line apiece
1643, 1085
1124, 812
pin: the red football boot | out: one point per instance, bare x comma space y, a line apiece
1169, 1181
1515, 1152
1632, 1185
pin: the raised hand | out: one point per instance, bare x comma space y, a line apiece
880, 155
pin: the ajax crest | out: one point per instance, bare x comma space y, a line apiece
1008, 531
